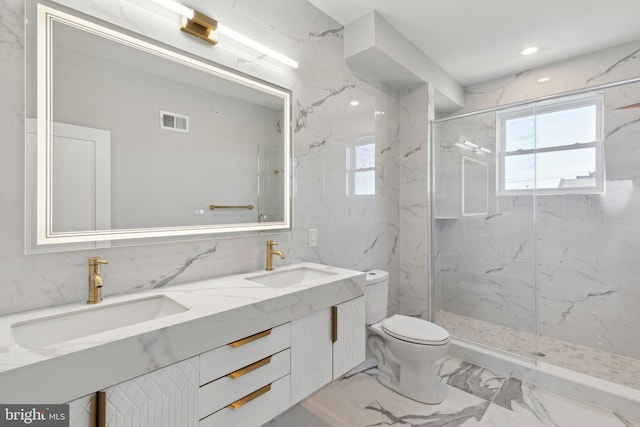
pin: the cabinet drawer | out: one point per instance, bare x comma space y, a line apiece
225, 390
255, 412
223, 360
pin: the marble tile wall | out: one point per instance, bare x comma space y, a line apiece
360, 233
411, 290
580, 251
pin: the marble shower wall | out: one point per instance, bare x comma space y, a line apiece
354, 232
582, 250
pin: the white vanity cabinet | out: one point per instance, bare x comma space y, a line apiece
325, 345
247, 382
166, 397
243, 383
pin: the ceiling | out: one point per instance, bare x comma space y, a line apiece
476, 41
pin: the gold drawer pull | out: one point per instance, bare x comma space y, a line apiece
334, 323
242, 371
98, 410
249, 397
247, 340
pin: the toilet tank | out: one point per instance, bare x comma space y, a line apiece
377, 295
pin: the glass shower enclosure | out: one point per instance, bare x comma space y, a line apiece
537, 230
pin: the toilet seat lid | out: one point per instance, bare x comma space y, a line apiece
415, 330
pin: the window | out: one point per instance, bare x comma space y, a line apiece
361, 167
553, 147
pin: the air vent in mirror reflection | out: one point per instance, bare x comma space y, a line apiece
173, 121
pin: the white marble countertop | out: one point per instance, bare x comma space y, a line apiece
221, 310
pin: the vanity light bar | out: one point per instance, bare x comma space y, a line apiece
232, 34
204, 27
468, 145
463, 146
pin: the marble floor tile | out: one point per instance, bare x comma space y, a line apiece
361, 401
470, 378
526, 405
476, 397
365, 402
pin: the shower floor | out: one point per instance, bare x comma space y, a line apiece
597, 363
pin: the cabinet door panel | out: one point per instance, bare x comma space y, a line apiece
163, 398
349, 349
310, 354
80, 412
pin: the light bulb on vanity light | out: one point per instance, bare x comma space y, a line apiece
470, 144
232, 34
176, 7
463, 146
529, 50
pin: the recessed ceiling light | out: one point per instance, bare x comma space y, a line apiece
354, 102
529, 51
544, 79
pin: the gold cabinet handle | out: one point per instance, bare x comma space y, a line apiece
99, 410
249, 397
251, 338
334, 323
243, 371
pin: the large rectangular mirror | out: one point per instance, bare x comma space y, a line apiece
129, 139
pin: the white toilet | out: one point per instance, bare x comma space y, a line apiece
406, 348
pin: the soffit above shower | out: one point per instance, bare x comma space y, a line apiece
478, 41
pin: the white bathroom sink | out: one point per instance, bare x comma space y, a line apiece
291, 277
89, 320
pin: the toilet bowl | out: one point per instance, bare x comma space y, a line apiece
406, 348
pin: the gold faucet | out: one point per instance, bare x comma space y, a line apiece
270, 253
95, 280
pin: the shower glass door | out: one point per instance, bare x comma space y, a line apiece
484, 230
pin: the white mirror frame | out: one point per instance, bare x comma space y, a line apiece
44, 224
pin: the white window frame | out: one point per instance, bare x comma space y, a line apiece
351, 169
566, 103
